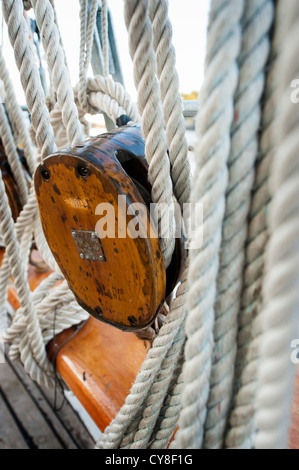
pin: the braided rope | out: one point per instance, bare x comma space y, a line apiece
151, 366
59, 72
52, 307
256, 22
137, 419
86, 37
280, 284
105, 42
241, 425
171, 99
103, 94
16, 116
226, 152
140, 433
213, 129
31, 343
169, 414
149, 105
24, 53
34, 360
38, 295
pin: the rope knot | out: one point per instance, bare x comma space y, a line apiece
103, 94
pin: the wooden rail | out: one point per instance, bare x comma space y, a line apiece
99, 364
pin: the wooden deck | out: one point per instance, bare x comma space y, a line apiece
28, 419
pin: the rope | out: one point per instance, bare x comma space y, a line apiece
103, 94
241, 425
280, 284
171, 99
51, 40
239, 315
34, 360
256, 22
211, 176
31, 341
135, 426
152, 365
87, 26
16, 116
105, 42
149, 105
24, 54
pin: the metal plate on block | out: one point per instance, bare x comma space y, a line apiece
89, 245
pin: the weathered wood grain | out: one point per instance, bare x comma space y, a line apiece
10, 435
127, 287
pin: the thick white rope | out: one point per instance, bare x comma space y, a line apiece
51, 40
87, 26
13, 332
21, 344
24, 54
151, 366
149, 105
34, 360
103, 95
12, 156
53, 309
280, 285
210, 183
241, 419
256, 22
105, 42
134, 424
170, 412
16, 116
172, 102
31, 342
140, 432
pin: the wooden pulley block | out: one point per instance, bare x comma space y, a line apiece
10, 184
89, 199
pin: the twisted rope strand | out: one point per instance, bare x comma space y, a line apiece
280, 285
244, 147
241, 425
37, 357
59, 73
212, 152
172, 102
16, 116
115, 432
141, 432
144, 66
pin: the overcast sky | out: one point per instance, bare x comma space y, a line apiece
189, 21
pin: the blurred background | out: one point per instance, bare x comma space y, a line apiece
189, 21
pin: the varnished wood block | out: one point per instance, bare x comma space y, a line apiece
120, 278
